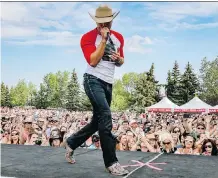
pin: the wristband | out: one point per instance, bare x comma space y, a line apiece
117, 62
120, 60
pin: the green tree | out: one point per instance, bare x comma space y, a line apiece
150, 75
85, 102
7, 97
120, 100
174, 86
32, 91
50, 84
19, 94
190, 83
129, 81
144, 94
169, 85
47, 89
151, 78
73, 93
3, 94
123, 90
62, 83
41, 99
53, 90
209, 81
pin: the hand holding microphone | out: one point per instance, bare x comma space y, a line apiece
115, 55
104, 33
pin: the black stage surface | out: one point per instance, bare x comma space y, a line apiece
46, 162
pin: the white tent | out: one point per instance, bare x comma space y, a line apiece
194, 105
214, 109
164, 105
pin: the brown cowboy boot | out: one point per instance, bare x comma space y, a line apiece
69, 154
117, 169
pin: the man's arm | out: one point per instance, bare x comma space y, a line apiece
97, 55
92, 54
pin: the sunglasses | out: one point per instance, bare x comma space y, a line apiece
190, 141
176, 131
166, 143
28, 122
208, 146
14, 134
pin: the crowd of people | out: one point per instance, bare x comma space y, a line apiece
178, 133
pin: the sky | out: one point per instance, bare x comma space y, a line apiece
42, 37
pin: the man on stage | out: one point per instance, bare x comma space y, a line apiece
103, 50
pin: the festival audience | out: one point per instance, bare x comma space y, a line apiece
170, 133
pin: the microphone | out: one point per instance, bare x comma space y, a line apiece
108, 35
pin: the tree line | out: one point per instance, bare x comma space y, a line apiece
58, 90
134, 91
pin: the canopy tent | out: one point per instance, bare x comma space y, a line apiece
214, 109
194, 105
164, 105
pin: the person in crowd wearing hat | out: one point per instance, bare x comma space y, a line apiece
26, 129
151, 143
134, 127
55, 139
102, 48
52, 124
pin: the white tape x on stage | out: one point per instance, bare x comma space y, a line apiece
143, 165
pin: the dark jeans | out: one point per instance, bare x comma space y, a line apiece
100, 95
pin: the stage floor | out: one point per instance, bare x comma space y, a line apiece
47, 162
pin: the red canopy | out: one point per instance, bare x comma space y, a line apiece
214, 109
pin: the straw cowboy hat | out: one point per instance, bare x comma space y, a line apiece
55, 134
104, 14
